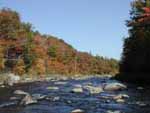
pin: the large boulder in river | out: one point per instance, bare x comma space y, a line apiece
114, 86
28, 100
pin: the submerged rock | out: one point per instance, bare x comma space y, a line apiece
38, 96
15, 98
69, 102
56, 98
78, 85
50, 98
60, 83
120, 100
114, 86
89, 83
8, 104
77, 111
52, 88
140, 88
120, 96
93, 90
27, 100
142, 104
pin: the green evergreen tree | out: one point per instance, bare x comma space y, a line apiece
136, 49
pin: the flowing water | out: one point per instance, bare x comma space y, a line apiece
61, 100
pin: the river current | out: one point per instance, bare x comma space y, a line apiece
62, 100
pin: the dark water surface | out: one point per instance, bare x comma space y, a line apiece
63, 101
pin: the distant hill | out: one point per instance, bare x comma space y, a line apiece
23, 50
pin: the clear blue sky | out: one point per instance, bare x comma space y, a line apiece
96, 26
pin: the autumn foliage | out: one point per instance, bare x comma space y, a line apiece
19, 67
23, 50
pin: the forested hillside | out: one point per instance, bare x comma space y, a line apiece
23, 50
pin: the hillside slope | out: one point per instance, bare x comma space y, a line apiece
23, 50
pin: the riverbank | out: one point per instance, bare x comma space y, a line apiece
10, 79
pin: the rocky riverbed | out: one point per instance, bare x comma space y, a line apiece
72, 95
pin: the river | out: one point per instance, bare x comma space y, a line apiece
63, 101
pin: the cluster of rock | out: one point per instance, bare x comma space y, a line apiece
120, 98
106, 91
98, 89
24, 98
28, 98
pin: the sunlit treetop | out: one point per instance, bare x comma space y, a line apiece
140, 13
